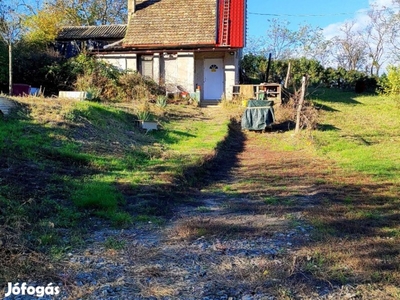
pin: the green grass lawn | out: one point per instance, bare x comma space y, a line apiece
361, 133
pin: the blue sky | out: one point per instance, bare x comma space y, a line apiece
321, 13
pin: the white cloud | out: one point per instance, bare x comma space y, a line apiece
332, 30
382, 3
361, 19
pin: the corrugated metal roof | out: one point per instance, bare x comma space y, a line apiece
238, 23
170, 23
92, 32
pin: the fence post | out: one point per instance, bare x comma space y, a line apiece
300, 105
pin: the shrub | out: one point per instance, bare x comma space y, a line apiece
31, 65
136, 87
97, 77
104, 81
390, 84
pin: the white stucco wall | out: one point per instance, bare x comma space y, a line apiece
185, 69
230, 73
169, 71
156, 67
122, 61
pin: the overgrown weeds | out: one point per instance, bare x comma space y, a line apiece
286, 112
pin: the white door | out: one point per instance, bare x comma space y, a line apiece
213, 78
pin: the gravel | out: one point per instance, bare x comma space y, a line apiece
151, 263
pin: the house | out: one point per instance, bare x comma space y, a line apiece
185, 44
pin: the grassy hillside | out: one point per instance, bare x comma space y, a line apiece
357, 222
67, 165
362, 133
354, 190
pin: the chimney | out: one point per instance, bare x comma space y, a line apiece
131, 7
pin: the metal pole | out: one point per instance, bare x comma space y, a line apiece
268, 67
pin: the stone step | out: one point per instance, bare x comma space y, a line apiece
207, 103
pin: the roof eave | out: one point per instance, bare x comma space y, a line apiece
170, 46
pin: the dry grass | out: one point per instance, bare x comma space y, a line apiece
19, 259
285, 114
46, 110
236, 225
349, 213
157, 290
33, 178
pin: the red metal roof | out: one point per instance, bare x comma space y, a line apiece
237, 23
237, 33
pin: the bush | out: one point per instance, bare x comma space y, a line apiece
136, 87
97, 77
390, 83
31, 65
107, 83
47, 69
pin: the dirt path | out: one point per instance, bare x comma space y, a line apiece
224, 247
242, 239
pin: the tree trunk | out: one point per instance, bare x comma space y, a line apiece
10, 73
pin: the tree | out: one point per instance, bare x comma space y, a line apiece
93, 12
254, 66
280, 40
10, 29
31, 64
349, 48
309, 67
299, 67
262, 67
394, 39
391, 83
285, 43
312, 43
42, 23
3, 63
43, 26
377, 36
